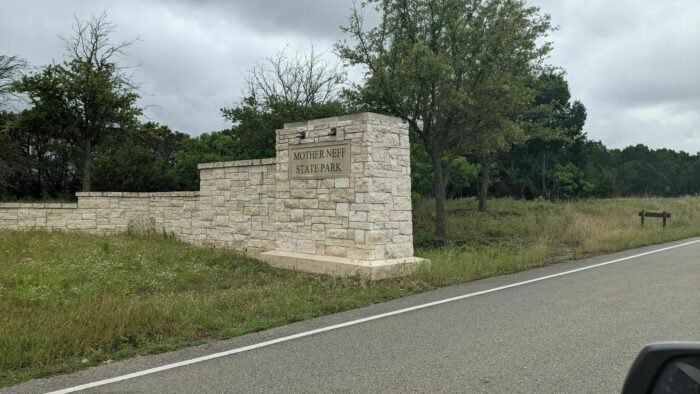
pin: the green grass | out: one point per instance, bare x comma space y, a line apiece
71, 300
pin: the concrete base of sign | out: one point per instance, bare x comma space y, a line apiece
342, 266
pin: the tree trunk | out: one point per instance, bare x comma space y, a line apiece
440, 218
87, 165
484, 182
43, 193
544, 176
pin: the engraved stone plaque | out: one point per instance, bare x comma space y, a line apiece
319, 160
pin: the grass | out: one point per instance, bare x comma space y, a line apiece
514, 235
71, 300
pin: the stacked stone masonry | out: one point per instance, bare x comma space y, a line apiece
365, 216
253, 205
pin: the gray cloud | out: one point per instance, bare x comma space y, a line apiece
309, 18
632, 64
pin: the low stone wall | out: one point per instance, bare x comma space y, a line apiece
52, 216
105, 212
233, 209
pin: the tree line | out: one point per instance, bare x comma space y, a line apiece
486, 113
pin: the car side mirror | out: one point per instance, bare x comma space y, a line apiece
665, 368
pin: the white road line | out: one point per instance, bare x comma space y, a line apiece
351, 323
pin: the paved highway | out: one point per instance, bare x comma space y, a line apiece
573, 333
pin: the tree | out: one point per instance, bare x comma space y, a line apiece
303, 79
463, 174
552, 124
255, 124
283, 89
205, 148
140, 159
46, 161
10, 69
13, 163
456, 70
569, 181
89, 95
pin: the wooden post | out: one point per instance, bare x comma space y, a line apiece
643, 213
664, 219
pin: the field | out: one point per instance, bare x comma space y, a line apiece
514, 235
71, 300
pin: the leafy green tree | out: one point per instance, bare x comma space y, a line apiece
205, 148
43, 165
254, 123
569, 181
88, 95
131, 167
456, 70
141, 159
552, 124
13, 165
464, 175
422, 176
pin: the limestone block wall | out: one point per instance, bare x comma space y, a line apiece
174, 212
51, 216
235, 208
106, 212
365, 215
237, 205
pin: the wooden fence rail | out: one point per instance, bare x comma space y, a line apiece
663, 215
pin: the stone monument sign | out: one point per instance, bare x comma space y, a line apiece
320, 160
336, 200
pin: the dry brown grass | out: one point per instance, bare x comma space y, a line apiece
515, 235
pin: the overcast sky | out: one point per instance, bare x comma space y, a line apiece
634, 64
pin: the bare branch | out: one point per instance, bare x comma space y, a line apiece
11, 68
90, 44
305, 79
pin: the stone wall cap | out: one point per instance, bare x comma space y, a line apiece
138, 194
174, 194
37, 205
361, 116
237, 163
100, 194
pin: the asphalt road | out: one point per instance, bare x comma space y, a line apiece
575, 333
